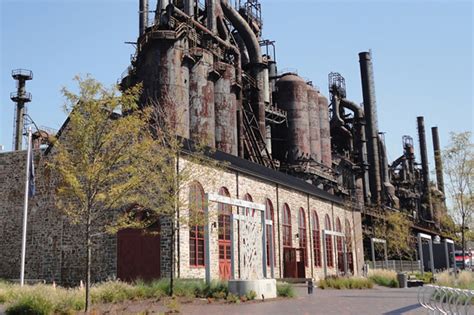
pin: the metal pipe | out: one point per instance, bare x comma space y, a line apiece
211, 15
370, 109
255, 56
361, 142
438, 159
189, 7
174, 10
387, 185
143, 17
424, 165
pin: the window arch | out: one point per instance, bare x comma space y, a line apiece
302, 234
316, 240
328, 240
269, 213
248, 197
196, 229
286, 226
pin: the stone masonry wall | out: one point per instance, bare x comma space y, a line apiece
55, 250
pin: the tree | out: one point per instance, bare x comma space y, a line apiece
395, 229
98, 159
459, 168
171, 163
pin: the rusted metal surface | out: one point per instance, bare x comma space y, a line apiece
425, 171
201, 97
143, 16
325, 134
293, 97
165, 76
438, 159
226, 110
370, 109
314, 124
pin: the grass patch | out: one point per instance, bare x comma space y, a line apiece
342, 283
463, 280
285, 290
49, 299
384, 277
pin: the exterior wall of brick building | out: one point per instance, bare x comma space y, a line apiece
55, 247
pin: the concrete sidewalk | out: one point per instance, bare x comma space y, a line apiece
379, 300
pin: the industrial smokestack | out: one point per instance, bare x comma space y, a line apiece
143, 16
20, 97
438, 159
370, 109
424, 165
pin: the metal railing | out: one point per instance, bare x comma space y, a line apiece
397, 265
446, 300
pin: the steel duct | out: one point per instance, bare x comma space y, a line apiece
370, 109
143, 17
255, 56
438, 159
424, 164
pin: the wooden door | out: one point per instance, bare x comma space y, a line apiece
289, 263
138, 255
224, 246
300, 262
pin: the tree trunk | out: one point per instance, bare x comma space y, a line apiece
172, 257
88, 262
463, 242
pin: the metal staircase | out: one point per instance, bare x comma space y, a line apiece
254, 142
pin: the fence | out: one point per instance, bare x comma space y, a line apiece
445, 300
397, 265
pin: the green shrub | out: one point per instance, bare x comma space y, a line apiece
342, 283
426, 277
232, 298
30, 305
285, 290
251, 295
384, 277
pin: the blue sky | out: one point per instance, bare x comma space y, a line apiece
422, 54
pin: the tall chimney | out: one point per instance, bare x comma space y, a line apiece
20, 97
438, 159
370, 109
424, 166
143, 17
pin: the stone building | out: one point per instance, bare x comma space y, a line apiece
298, 210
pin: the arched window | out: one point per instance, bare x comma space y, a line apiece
270, 216
340, 258
302, 234
196, 229
286, 226
224, 212
316, 240
328, 240
248, 197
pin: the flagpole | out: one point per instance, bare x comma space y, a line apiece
25, 210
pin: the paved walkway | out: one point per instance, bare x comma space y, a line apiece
375, 301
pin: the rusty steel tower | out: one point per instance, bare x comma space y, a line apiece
20, 97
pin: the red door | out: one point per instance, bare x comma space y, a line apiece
138, 255
224, 245
301, 262
289, 263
